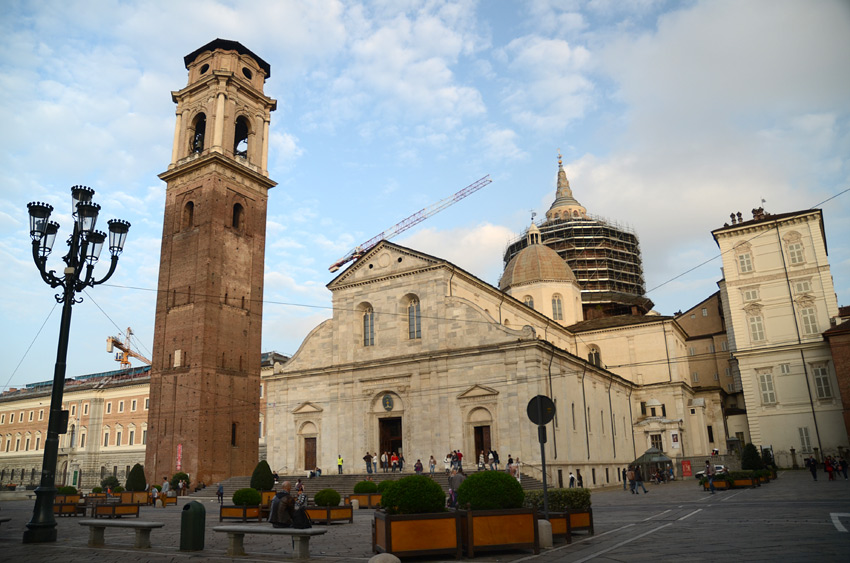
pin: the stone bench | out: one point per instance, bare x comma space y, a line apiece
236, 535
143, 531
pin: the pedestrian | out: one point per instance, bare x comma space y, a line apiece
709, 474
481, 461
375, 462
631, 476
276, 477
639, 481
368, 459
491, 459
842, 463
166, 486
400, 462
579, 480
394, 461
518, 467
432, 464
447, 463
384, 460
813, 467
339, 463
220, 493
417, 467
625, 475
180, 488
830, 470
496, 456
572, 480
154, 494
460, 461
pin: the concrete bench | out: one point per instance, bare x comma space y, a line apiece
236, 535
143, 531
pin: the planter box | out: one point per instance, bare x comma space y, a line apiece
581, 520
239, 513
719, 485
67, 499
328, 514
68, 509
764, 479
366, 500
135, 497
417, 534
116, 510
266, 503
560, 522
513, 528
750, 483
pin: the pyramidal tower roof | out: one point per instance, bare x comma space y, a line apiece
565, 205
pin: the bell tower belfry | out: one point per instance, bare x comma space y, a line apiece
203, 414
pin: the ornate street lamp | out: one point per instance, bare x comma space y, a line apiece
84, 248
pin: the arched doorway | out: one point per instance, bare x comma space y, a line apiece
481, 421
389, 410
309, 436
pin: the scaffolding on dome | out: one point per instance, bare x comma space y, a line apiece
605, 258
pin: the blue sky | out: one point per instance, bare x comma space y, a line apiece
669, 115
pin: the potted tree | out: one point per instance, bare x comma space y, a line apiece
246, 504
569, 510
494, 517
327, 508
366, 494
414, 520
136, 487
263, 481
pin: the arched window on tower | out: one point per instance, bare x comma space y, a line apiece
594, 356
368, 327
557, 308
240, 138
188, 216
414, 321
238, 216
198, 133
529, 301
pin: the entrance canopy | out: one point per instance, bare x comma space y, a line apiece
652, 455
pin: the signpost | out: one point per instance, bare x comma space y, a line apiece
541, 411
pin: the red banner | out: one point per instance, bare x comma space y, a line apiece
179, 457
686, 469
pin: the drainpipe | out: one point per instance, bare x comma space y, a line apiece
450, 282
551, 395
584, 409
631, 418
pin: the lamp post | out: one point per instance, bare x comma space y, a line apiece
84, 248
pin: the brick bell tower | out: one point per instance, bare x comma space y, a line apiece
205, 380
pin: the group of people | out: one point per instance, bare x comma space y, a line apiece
576, 480
288, 510
634, 478
488, 460
833, 466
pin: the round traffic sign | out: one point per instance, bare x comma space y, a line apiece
541, 409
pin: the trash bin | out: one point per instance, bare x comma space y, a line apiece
192, 527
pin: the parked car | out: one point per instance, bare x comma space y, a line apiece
718, 469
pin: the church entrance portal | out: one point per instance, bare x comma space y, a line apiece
309, 454
482, 441
390, 435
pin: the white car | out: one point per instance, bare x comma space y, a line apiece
717, 470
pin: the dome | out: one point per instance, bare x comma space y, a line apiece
535, 263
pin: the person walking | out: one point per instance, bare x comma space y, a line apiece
384, 461
813, 467
432, 464
339, 463
417, 467
220, 493
842, 464
572, 481
709, 474
491, 459
631, 476
368, 459
625, 475
375, 462
579, 480
447, 463
639, 481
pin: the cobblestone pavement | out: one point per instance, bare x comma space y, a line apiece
790, 519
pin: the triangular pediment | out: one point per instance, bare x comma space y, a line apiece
384, 260
307, 408
478, 391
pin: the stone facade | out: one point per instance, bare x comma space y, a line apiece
206, 354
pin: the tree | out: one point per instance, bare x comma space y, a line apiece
109, 481
136, 479
751, 458
262, 478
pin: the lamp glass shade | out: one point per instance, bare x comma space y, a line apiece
46, 242
80, 194
95, 245
118, 230
39, 218
87, 215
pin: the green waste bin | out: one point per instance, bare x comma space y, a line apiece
192, 527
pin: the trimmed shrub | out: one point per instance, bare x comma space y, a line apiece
247, 497
136, 479
69, 490
179, 476
118, 489
490, 490
743, 474
327, 497
718, 477
157, 487
262, 478
414, 494
560, 500
109, 481
751, 459
384, 485
97, 489
364, 487
767, 458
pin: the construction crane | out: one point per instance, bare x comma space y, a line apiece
414, 219
126, 350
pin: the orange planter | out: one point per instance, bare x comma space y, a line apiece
243, 513
406, 535
581, 520
560, 522
328, 514
719, 485
366, 500
512, 528
743, 483
131, 497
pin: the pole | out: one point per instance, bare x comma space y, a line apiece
541, 436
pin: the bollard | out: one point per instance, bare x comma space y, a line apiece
544, 532
355, 504
192, 527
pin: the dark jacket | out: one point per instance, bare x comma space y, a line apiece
281, 510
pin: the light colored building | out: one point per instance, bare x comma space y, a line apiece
423, 358
778, 299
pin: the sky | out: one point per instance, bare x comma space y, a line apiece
669, 116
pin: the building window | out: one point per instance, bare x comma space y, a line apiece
704, 312
692, 351
745, 263
588, 420
730, 387
822, 382
711, 348
2, 419
710, 434
144, 437
529, 301
188, 215
810, 320
574, 415
368, 327
594, 356
724, 346
240, 137
73, 411
785, 369
118, 438
261, 390
414, 320
802, 286
120, 406
716, 377
768, 394
108, 408
751, 294
27, 445
197, 142
105, 439
756, 328
82, 441
643, 408
238, 216
133, 405
557, 308
805, 440
602, 421
728, 372
695, 377
655, 441
30, 418
132, 437
147, 403
233, 434
85, 409
795, 253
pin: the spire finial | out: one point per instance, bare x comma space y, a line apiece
560, 162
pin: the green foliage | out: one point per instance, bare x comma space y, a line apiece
179, 476
247, 497
118, 489
69, 490
136, 479
386, 484
109, 481
364, 487
490, 490
262, 478
97, 489
719, 477
560, 500
767, 458
327, 497
751, 459
157, 487
415, 494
